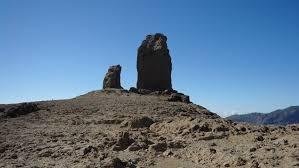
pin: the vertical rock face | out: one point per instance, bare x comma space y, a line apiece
112, 78
154, 64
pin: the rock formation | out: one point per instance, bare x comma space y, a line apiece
19, 109
179, 97
112, 77
149, 126
154, 64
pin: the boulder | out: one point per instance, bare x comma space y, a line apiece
178, 97
112, 77
133, 90
123, 142
21, 109
141, 122
154, 64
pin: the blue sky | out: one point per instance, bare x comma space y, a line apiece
230, 56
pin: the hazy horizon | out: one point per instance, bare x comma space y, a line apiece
228, 56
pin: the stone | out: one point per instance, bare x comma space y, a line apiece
168, 153
203, 127
265, 129
253, 149
112, 77
114, 163
154, 64
134, 147
226, 165
133, 90
123, 142
176, 144
212, 151
213, 144
178, 97
14, 156
285, 142
21, 109
89, 149
243, 129
141, 122
144, 91
259, 138
159, 147
220, 128
2, 149
156, 93
254, 164
240, 161
294, 146
45, 153
168, 92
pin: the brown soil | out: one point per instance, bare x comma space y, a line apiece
116, 128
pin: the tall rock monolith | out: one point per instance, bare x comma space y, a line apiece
112, 77
154, 64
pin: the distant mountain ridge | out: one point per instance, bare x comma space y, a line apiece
285, 116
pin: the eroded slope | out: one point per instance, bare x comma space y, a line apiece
120, 129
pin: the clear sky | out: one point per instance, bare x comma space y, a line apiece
230, 56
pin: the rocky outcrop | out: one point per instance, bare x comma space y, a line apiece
154, 64
20, 109
112, 77
179, 97
141, 122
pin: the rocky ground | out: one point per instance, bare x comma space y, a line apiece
117, 128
